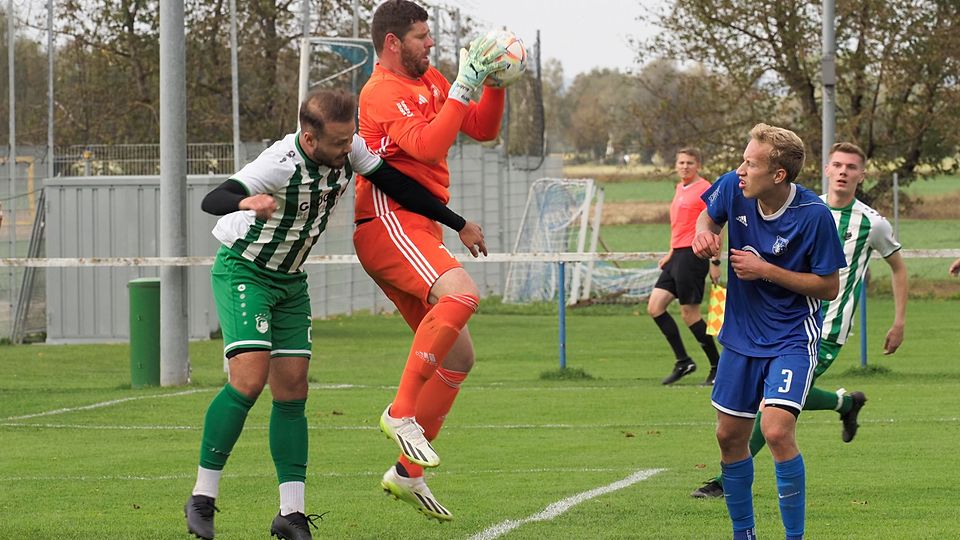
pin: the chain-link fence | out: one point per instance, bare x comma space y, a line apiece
20, 201
139, 159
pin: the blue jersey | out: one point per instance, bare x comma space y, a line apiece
763, 319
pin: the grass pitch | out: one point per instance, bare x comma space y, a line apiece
84, 456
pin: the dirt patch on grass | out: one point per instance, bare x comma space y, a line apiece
631, 213
944, 207
941, 207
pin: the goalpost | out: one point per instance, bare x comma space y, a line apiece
325, 59
557, 218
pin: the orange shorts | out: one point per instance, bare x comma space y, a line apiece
404, 254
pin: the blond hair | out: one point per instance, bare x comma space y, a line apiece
787, 151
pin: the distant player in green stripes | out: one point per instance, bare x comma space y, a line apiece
862, 231
274, 209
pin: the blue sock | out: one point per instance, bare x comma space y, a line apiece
738, 494
791, 477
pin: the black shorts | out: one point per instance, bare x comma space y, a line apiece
683, 276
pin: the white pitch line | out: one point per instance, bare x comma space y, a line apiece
120, 427
326, 474
103, 404
560, 507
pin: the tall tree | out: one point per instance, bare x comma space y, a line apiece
897, 65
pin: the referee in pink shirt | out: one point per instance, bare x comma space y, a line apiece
683, 273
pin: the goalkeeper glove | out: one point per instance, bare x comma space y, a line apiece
483, 58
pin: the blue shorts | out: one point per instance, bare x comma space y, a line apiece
743, 381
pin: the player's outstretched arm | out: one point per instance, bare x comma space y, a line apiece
899, 284
411, 195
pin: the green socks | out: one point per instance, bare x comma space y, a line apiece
756, 438
288, 440
823, 400
222, 426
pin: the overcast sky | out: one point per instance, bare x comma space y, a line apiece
582, 34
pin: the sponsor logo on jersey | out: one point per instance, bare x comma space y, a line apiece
422, 99
713, 197
404, 109
742, 220
435, 90
780, 245
847, 236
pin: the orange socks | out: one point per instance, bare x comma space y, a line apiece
435, 402
431, 343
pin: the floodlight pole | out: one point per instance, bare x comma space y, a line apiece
12, 155
304, 52
174, 350
50, 152
356, 34
829, 71
235, 87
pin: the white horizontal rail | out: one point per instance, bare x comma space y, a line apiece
71, 262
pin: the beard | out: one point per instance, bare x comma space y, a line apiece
336, 162
414, 65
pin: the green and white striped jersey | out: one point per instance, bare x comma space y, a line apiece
862, 230
306, 194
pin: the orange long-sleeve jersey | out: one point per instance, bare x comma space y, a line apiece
412, 124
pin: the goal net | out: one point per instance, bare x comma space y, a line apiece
563, 215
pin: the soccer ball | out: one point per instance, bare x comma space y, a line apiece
516, 57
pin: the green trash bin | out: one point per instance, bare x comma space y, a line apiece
144, 332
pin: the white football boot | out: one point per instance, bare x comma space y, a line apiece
414, 491
408, 435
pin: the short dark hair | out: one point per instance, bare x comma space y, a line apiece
692, 151
326, 105
849, 148
394, 17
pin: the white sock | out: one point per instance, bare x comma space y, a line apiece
208, 482
291, 498
840, 393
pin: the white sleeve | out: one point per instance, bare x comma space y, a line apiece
269, 173
881, 238
361, 158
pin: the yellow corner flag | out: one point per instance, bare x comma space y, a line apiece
718, 299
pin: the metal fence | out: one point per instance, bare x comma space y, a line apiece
114, 215
144, 159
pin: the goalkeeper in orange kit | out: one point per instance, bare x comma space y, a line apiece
410, 115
